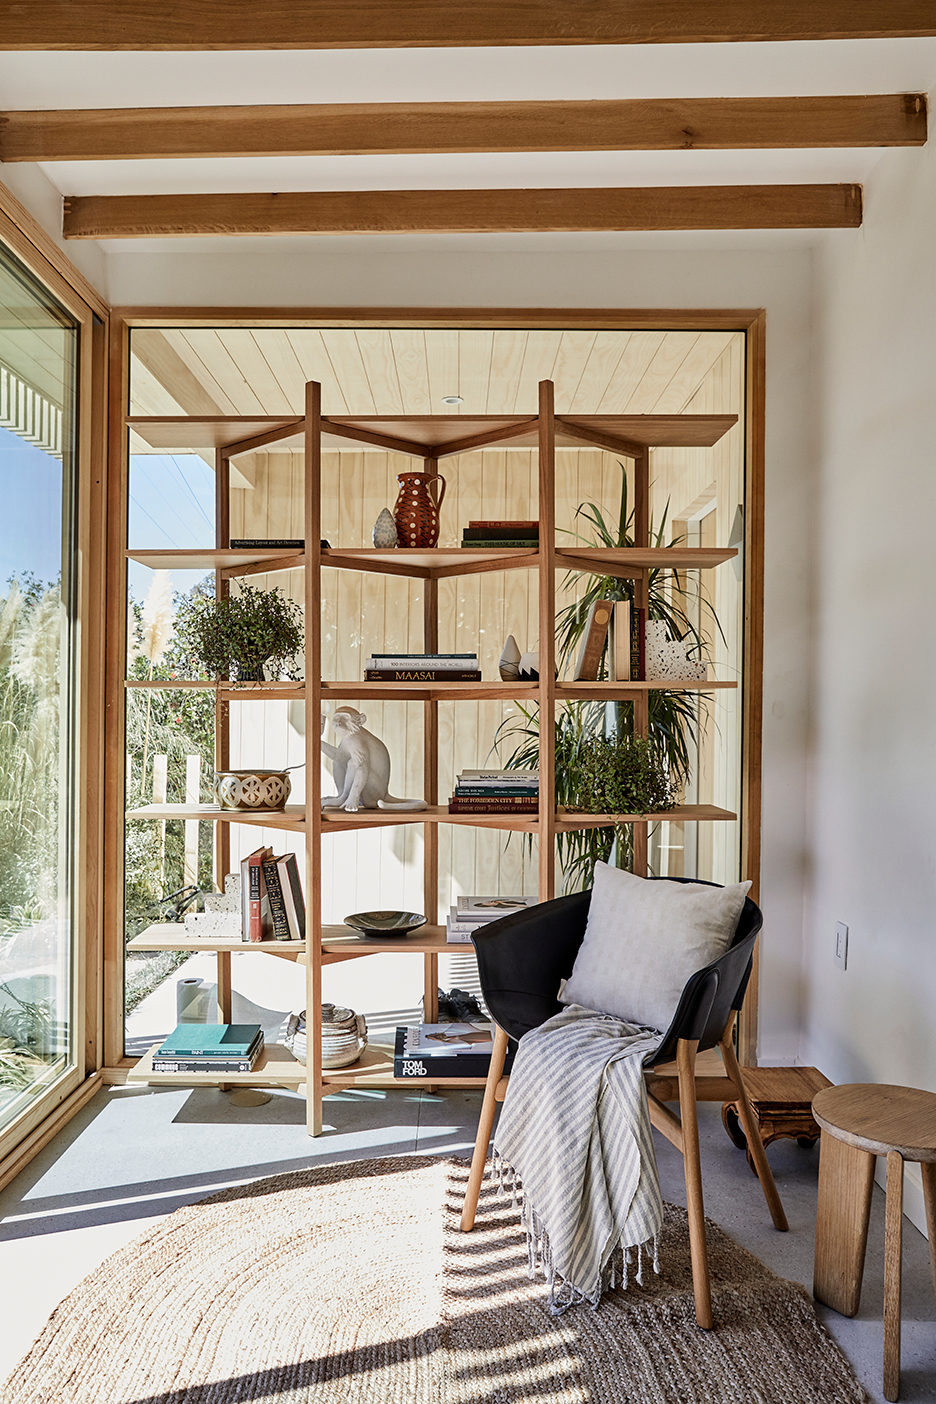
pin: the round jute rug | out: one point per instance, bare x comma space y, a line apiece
353, 1283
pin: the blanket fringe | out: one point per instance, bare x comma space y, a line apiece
562, 1294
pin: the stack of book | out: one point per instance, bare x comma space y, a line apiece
470, 913
422, 667
272, 905
214, 1048
496, 792
445, 1050
498, 534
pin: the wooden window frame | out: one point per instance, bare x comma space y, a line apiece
37, 1123
751, 322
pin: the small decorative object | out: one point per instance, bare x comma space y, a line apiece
528, 667
361, 767
241, 634
344, 1036
509, 665
252, 789
369, 924
666, 658
416, 511
385, 532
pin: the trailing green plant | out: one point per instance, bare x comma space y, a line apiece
241, 633
621, 775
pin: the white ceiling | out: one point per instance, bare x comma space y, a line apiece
76, 80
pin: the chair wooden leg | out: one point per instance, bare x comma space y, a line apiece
701, 1286
485, 1127
752, 1132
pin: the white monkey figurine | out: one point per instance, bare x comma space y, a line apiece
361, 767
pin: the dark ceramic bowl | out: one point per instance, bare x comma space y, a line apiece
370, 924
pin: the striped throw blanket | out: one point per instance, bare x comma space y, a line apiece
574, 1137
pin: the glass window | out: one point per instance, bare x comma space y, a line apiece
38, 385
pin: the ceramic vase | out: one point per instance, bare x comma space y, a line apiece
416, 511
385, 532
509, 665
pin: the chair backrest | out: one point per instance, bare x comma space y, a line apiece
523, 957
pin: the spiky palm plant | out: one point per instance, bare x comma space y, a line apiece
674, 716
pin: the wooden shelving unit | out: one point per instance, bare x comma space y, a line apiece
428, 438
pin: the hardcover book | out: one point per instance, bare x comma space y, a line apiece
621, 633
268, 543
275, 896
518, 528
413, 674
513, 531
211, 1041
593, 641
493, 806
638, 670
259, 922
489, 791
293, 899
183, 1064
445, 1050
488, 906
495, 543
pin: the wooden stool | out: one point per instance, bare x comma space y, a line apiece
781, 1101
860, 1121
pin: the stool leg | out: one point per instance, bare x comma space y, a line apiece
485, 1127
892, 1244
846, 1177
929, 1199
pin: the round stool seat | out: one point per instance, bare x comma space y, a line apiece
878, 1118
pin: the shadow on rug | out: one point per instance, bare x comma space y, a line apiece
353, 1283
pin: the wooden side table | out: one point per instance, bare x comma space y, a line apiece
860, 1121
781, 1099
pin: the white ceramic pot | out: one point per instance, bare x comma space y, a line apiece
252, 789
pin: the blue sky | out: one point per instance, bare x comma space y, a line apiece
31, 488
172, 503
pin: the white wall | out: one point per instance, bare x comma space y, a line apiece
32, 187
873, 747
633, 271
590, 273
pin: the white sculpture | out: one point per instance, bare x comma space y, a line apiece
361, 767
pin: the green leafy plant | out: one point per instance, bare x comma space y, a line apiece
621, 775
243, 633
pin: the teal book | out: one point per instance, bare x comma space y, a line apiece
210, 1040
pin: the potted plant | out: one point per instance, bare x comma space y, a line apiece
241, 635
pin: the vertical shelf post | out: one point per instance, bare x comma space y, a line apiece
431, 795
547, 641
642, 601
313, 712
222, 832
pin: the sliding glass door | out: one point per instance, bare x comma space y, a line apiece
38, 399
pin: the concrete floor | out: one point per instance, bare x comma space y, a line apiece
136, 1153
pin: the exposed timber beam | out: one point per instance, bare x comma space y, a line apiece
663, 124
464, 211
372, 24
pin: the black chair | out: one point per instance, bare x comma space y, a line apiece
522, 959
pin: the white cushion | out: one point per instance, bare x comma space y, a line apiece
644, 939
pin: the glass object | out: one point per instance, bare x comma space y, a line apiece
38, 395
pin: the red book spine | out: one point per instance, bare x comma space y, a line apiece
257, 892
526, 526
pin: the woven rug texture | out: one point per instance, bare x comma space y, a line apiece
353, 1283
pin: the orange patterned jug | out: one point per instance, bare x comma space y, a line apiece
416, 511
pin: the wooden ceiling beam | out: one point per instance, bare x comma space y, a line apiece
371, 24
463, 211
331, 129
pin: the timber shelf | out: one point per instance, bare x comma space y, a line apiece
171, 936
276, 1067
230, 561
432, 691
